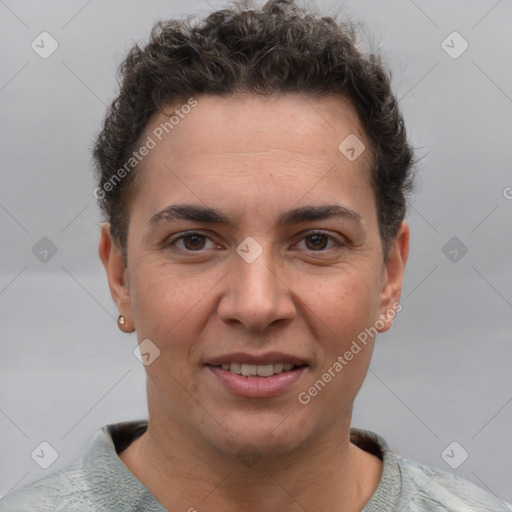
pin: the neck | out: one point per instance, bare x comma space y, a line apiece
185, 473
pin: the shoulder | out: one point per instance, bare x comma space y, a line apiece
425, 488
79, 488
409, 486
59, 491
97, 481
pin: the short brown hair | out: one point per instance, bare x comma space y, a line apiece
278, 48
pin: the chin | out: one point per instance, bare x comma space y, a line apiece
259, 434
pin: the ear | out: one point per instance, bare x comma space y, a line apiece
393, 276
117, 274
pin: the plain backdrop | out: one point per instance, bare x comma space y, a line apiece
441, 375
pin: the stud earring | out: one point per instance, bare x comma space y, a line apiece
121, 321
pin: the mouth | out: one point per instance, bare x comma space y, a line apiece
253, 376
258, 370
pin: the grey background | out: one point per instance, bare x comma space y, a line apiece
442, 374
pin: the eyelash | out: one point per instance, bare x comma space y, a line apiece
173, 243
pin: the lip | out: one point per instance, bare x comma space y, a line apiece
245, 358
257, 387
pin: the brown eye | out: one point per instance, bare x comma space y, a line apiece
320, 242
316, 242
193, 242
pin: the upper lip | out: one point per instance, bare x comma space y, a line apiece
257, 359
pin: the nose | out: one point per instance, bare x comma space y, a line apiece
256, 294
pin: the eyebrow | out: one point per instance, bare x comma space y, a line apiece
205, 214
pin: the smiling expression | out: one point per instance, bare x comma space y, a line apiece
254, 260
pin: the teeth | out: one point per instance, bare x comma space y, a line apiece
248, 369
261, 370
265, 370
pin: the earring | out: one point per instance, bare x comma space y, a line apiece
121, 321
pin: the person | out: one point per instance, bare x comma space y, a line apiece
253, 173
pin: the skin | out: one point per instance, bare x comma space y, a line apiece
254, 158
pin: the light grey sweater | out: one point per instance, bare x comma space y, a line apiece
99, 481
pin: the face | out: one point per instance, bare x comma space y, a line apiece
253, 245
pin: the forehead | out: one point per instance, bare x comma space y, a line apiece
259, 149
251, 123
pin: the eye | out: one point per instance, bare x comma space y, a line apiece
191, 242
318, 241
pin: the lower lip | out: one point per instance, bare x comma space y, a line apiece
257, 387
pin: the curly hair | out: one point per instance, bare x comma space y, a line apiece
279, 48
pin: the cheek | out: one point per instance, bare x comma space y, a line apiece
169, 305
168, 311
344, 305
348, 348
